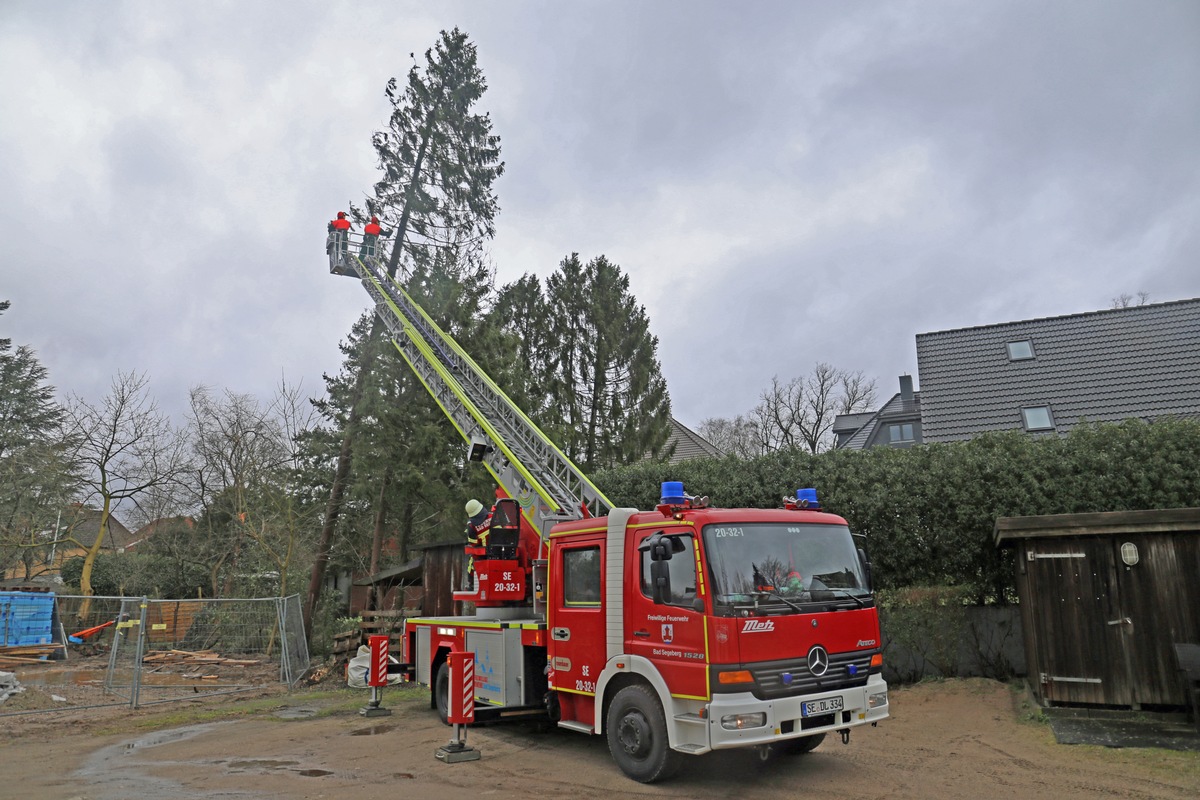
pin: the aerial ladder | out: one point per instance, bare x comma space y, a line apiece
527, 466
655, 629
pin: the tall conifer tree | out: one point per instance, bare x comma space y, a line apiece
605, 402
439, 160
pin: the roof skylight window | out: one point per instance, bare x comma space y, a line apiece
1037, 418
1021, 350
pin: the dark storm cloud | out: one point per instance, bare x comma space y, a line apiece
784, 183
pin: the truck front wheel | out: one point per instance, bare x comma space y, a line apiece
637, 735
441, 692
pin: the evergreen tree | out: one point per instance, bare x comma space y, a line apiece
607, 400
520, 314
439, 160
36, 477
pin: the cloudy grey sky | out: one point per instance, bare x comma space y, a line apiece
784, 182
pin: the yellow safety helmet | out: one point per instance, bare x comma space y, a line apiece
473, 507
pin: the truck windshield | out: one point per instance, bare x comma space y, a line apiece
790, 566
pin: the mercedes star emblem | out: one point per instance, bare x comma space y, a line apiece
818, 661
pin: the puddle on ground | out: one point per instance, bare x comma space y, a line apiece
296, 712
66, 677
241, 766
374, 729
114, 772
174, 735
109, 775
96, 677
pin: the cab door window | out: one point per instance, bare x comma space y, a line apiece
682, 571
581, 576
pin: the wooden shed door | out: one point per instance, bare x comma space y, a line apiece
1081, 632
1158, 594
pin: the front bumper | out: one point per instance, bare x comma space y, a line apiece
784, 719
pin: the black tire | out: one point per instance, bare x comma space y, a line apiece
637, 736
798, 747
441, 692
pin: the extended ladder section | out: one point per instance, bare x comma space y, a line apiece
525, 463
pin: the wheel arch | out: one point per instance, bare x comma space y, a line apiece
440, 656
636, 670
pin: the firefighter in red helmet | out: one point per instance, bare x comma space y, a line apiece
371, 234
339, 237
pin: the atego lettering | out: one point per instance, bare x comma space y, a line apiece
758, 626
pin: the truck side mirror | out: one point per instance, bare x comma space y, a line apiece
660, 581
661, 547
866, 565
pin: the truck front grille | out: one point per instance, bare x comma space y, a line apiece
776, 679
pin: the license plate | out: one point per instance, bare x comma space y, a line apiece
825, 705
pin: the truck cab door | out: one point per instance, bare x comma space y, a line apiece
664, 617
577, 626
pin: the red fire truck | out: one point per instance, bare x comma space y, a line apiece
671, 632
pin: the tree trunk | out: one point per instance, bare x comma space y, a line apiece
85, 577
333, 508
375, 603
406, 214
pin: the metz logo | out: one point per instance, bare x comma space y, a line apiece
758, 626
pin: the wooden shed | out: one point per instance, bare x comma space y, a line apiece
1104, 597
443, 565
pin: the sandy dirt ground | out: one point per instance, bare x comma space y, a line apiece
953, 739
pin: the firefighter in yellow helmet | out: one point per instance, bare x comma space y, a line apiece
479, 520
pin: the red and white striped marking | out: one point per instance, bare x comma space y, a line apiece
379, 661
462, 688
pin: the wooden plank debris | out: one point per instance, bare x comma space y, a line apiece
197, 658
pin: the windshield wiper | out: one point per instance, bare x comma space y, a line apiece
830, 594
779, 597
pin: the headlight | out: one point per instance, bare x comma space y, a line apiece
736, 722
877, 700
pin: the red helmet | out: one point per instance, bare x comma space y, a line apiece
341, 215
375, 220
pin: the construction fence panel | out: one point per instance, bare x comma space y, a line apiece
294, 657
203, 647
136, 651
74, 674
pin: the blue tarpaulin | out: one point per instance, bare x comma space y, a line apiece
26, 618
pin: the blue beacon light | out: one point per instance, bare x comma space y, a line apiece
672, 493
807, 498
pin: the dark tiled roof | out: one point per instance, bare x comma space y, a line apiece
895, 408
1102, 366
139, 537
848, 423
689, 444
84, 525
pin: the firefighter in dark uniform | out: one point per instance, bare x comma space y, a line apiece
340, 230
370, 242
479, 520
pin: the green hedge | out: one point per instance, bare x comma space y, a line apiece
927, 512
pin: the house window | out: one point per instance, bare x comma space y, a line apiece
1020, 351
900, 433
581, 576
1038, 418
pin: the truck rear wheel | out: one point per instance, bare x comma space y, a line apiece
637, 736
441, 692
